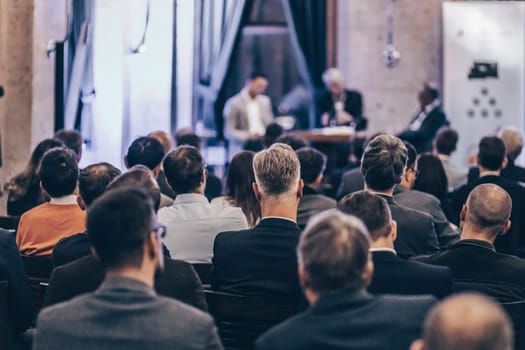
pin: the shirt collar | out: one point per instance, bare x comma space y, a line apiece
371, 250
489, 173
475, 242
278, 217
246, 96
442, 157
65, 200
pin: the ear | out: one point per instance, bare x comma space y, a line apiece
417, 344
156, 171
504, 163
94, 253
126, 161
368, 273
505, 228
393, 230
319, 180
303, 278
81, 203
300, 187
256, 191
463, 213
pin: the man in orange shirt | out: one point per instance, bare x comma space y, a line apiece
42, 227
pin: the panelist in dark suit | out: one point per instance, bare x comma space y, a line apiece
19, 299
393, 275
491, 161
383, 165
334, 270
427, 121
262, 261
339, 106
473, 260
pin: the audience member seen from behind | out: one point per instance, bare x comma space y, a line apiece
261, 261
163, 138
23, 190
19, 312
444, 145
72, 139
192, 222
178, 280
273, 131
475, 263
313, 164
125, 312
92, 183
513, 141
239, 192
466, 321
431, 177
383, 165
335, 269
42, 227
393, 275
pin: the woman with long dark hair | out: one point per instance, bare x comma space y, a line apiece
23, 190
239, 192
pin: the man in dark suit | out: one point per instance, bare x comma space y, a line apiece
313, 164
383, 165
262, 261
405, 195
473, 260
92, 183
491, 160
513, 144
427, 121
125, 312
19, 299
393, 275
466, 321
334, 269
339, 106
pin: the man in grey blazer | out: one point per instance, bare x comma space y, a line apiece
125, 312
247, 113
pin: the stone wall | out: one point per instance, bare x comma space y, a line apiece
389, 93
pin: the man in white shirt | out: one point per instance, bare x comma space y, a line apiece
192, 223
248, 113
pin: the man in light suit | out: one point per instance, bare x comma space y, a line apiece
261, 261
383, 165
125, 312
393, 275
334, 269
424, 125
248, 113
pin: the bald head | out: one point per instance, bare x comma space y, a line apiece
466, 321
488, 208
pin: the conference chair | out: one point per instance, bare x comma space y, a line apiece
38, 270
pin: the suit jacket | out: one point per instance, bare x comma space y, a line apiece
124, 314
351, 181
422, 138
513, 242
353, 105
19, 295
393, 275
352, 321
513, 172
179, 281
312, 203
427, 203
258, 262
415, 230
476, 266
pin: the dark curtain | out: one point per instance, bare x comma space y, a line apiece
77, 70
307, 25
218, 27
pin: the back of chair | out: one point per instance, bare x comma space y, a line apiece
4, 316
38, 270
516, 313
204, 272
9, 222
241, 320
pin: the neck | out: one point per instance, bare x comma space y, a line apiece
143, 274
382, 242
279, 206
388, 192
484, 171
199, 190
314, 185
470, 232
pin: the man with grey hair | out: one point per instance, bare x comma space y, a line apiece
383, 164
513, 144
466, 321
335, 269
473, 260
261, 261
338, 105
